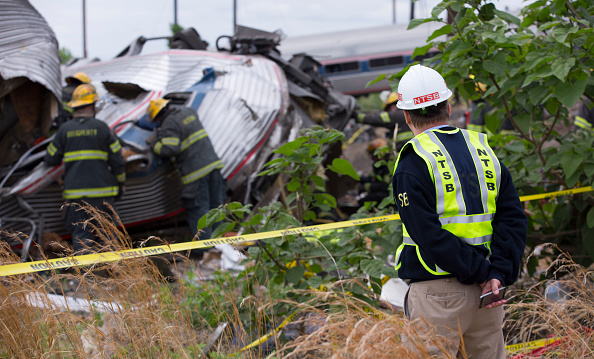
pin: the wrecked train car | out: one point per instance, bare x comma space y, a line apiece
249, 99
29, 100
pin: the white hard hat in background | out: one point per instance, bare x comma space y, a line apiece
421, 87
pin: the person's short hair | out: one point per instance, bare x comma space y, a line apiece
422, 117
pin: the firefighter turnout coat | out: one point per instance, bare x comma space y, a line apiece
93, 162
182, 136
462, 212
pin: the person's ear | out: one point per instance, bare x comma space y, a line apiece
407, 117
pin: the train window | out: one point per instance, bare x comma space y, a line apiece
341, 67
386, 61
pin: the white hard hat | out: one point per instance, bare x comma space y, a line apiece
421, 87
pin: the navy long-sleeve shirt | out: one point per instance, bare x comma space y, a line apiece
465, 262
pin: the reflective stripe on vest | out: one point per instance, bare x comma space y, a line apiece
85, 155
191, 177
196, 136
582, 123
115, 146
91, 192
450, 206
51, 149
166, 141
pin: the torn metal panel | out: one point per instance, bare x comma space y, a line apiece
29, 78
28, 47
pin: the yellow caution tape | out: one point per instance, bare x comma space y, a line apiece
550, 195
267, 336
90, 259
535, 344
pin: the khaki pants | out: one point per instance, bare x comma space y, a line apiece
452, 308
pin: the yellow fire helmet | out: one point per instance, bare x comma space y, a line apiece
83, 95
155, 106
392, 98
78, 77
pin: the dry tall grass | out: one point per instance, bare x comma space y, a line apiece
131, 310
561, 306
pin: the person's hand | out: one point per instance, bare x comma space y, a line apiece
152, 140
492, 285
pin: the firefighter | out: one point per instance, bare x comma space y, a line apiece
584, 119
464, 228
94, 169
375, 186
180, 135
389, 118
72, 82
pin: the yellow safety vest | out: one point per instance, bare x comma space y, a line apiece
475, 229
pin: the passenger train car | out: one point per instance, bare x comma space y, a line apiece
351, 59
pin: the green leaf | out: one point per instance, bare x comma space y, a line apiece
538, 93
309, 216
315, 268
444, 30
492, 121
494, 67
507, 17
420, 51
487, 12
291, 197
590, 218
378, 79
561, 67
294, 184
294, 274
438, 9
541, 72
325, 198
373, 267
568, 94
570, 163
290, 147
222, 229
523, 122
390, 272
560, 34
416, 22
589, 169
534, 59
315, 282
459, 48
343, 167
517, 146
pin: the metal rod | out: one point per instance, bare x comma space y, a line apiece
175, 12
393, 11
234, 16
84, 18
